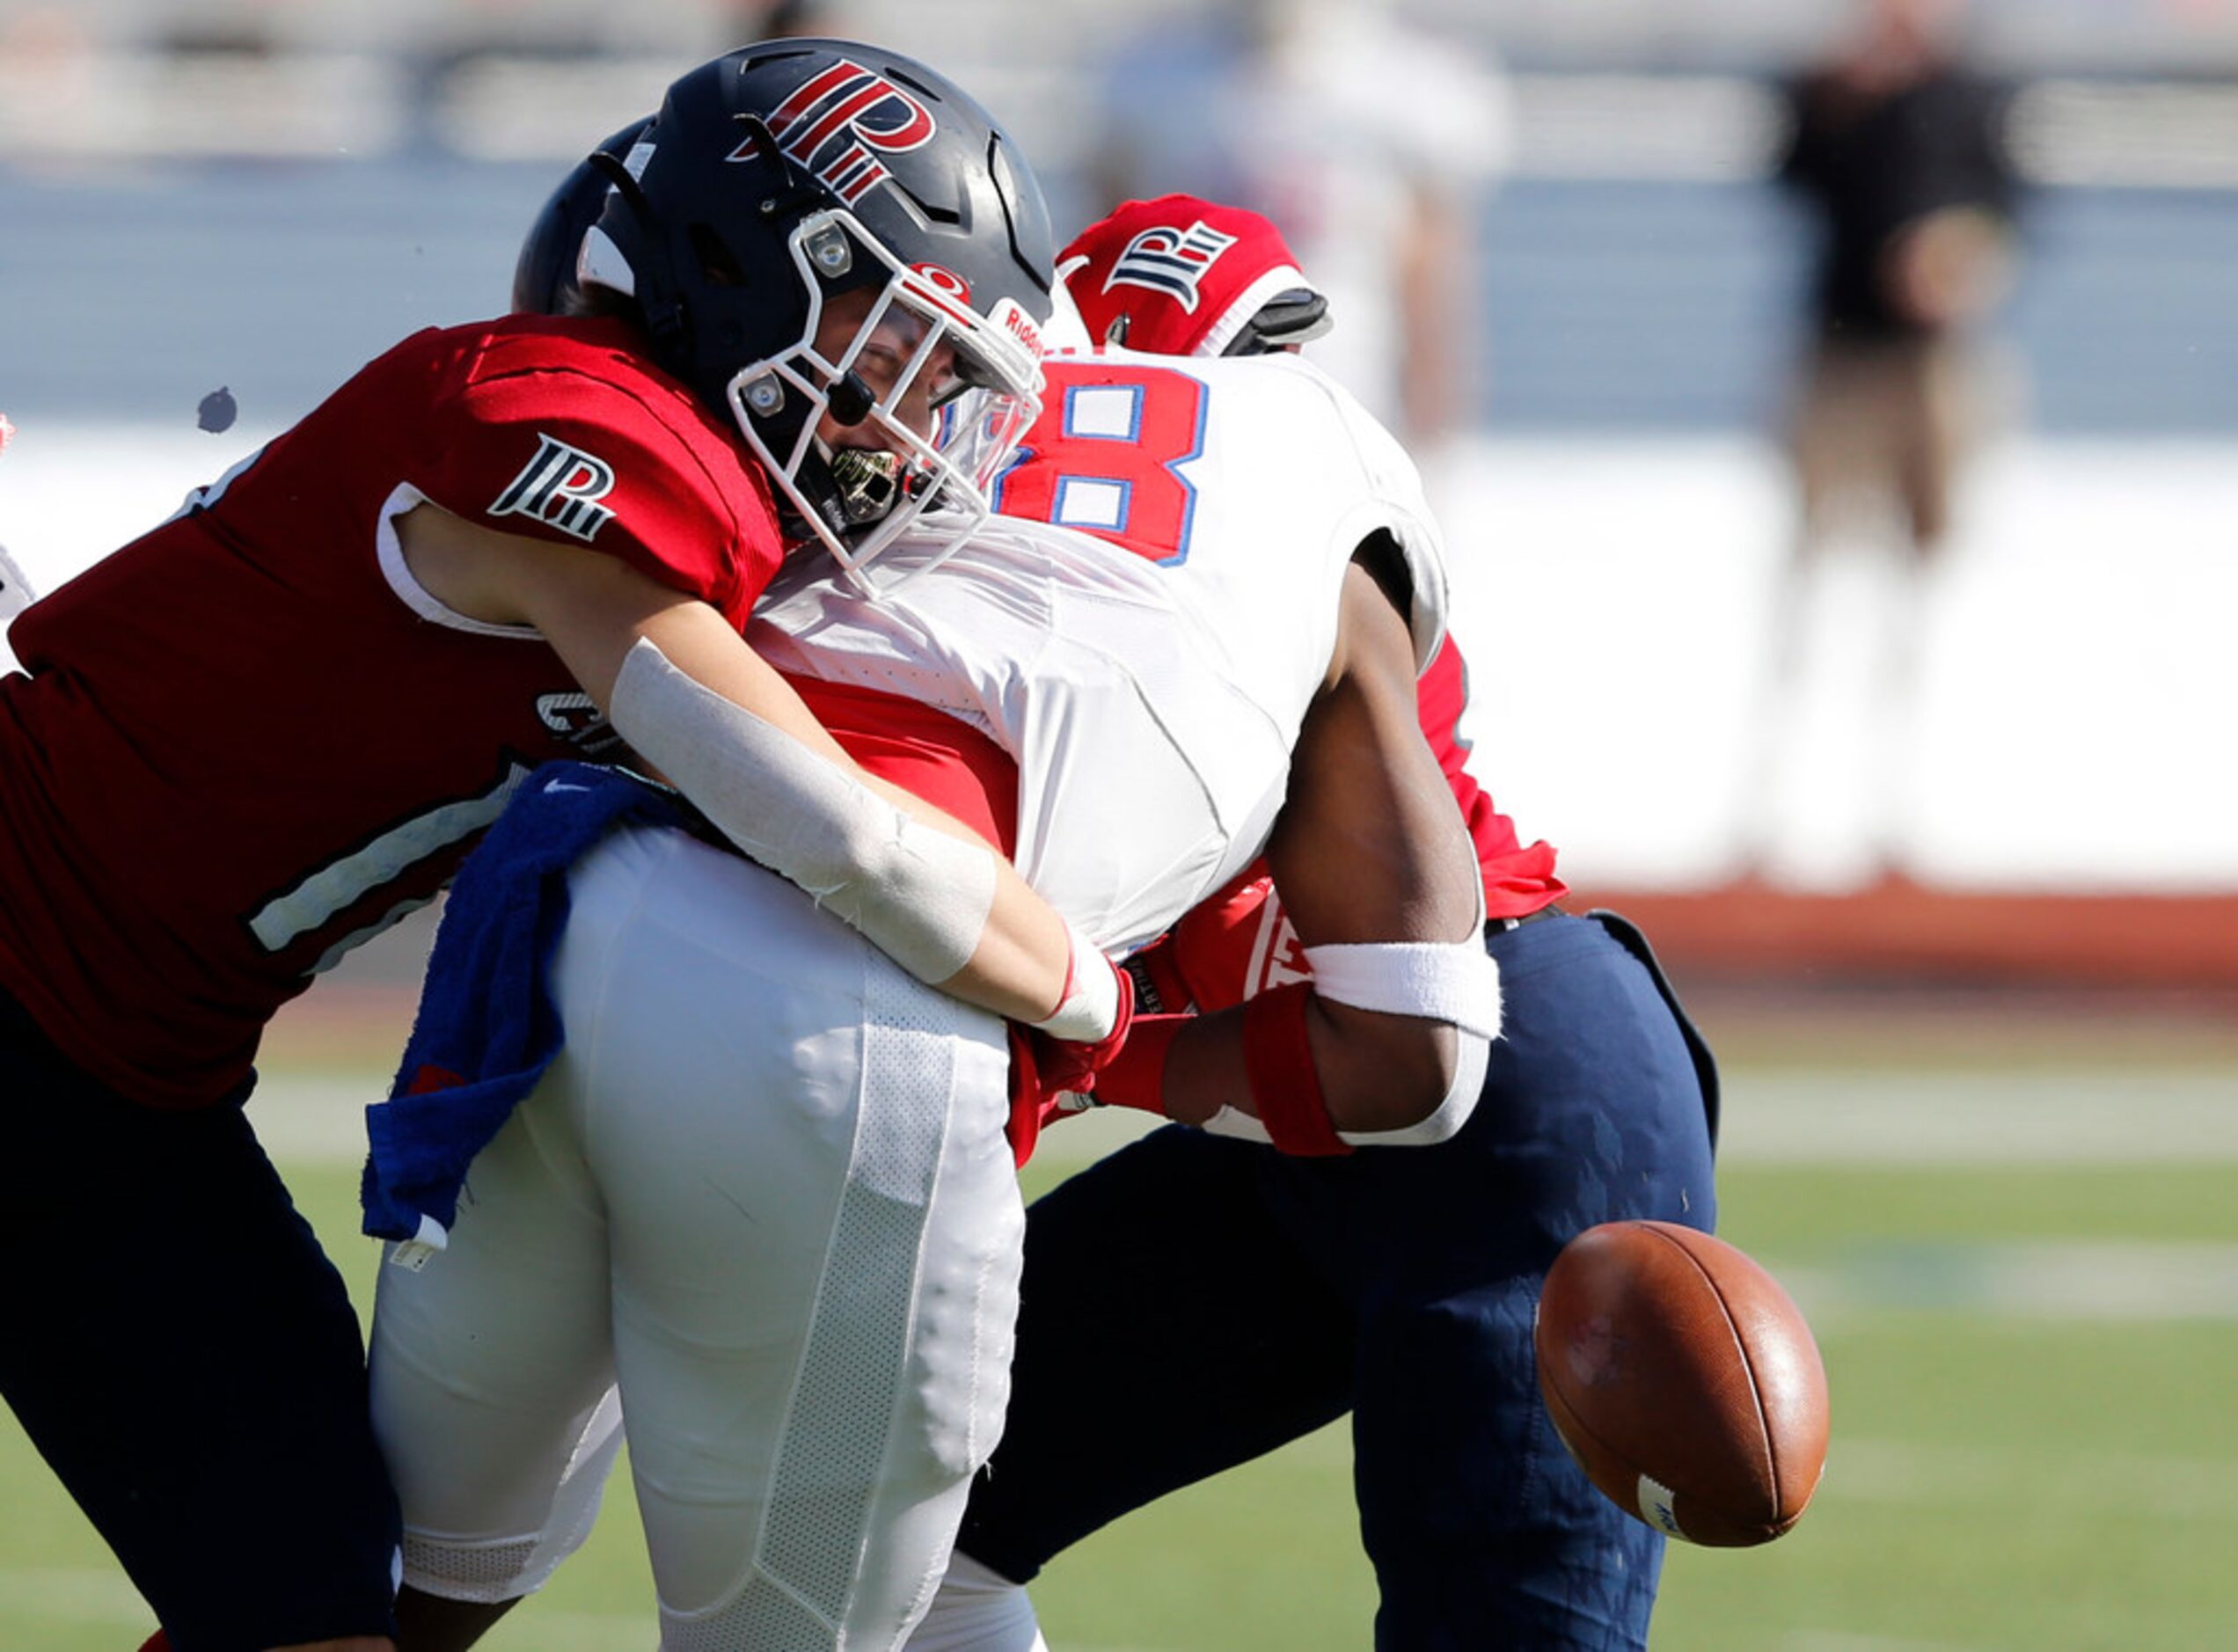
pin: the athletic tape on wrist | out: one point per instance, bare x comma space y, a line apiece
1285, 1085
918, 894
1089, 1009
1455, 981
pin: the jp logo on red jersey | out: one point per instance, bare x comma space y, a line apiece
561, 486
835, 119
1171, 261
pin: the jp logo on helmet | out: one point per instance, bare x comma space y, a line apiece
837, 118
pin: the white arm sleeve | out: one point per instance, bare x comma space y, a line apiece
1441, 1125
1453, 1112
1455, 981
918, 894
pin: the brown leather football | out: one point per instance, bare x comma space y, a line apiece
1684, 1381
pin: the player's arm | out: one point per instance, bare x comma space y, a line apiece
693, 699
1378, 873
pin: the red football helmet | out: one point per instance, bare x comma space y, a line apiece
1181, 275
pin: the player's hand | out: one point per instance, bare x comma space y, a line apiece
1051, 1076
1040, 1094
1064, 1065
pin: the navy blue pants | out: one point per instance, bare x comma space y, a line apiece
1249, 1298
186, 1358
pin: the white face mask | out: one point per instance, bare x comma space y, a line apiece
917, 323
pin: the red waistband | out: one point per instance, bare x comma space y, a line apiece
927, 752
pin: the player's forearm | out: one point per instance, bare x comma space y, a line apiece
1022, 964
697, 704
1019, 964
1375, 1072
942, 902
1309, 1074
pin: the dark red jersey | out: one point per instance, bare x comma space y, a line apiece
249, 739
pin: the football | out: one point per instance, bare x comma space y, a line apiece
1683, 1381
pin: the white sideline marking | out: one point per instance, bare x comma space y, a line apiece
2097, 1486
2108, 1282
319, 1119
1896, 1117
1905, 1116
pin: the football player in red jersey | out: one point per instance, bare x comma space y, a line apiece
263, 731
1265, 1295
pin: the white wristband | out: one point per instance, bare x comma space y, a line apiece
920, 895
1090, 1008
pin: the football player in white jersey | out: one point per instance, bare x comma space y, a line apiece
1279, 1295
764, 1187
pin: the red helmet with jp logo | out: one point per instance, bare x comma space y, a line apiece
774, 180
1181, 275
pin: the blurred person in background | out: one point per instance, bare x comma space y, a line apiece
1242, 1299
1899, 152
263, 732
1366, 142
747, 20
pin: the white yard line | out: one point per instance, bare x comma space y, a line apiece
309, 1118
1828, 1640
2109, 1281
1902, 1117
1789, 1119
1895, 1118
2046, 1481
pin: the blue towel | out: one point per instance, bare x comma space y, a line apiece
487, 1028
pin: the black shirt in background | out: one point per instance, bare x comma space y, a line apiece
1872, 164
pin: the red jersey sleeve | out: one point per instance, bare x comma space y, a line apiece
616, 460
1518, 877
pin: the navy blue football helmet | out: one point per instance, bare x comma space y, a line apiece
545, 282
770, 181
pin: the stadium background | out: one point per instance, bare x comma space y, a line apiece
1984, 1103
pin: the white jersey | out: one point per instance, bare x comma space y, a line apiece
1146, 626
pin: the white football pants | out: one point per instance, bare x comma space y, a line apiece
765, 1190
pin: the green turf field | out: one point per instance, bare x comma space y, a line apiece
2030, 1328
